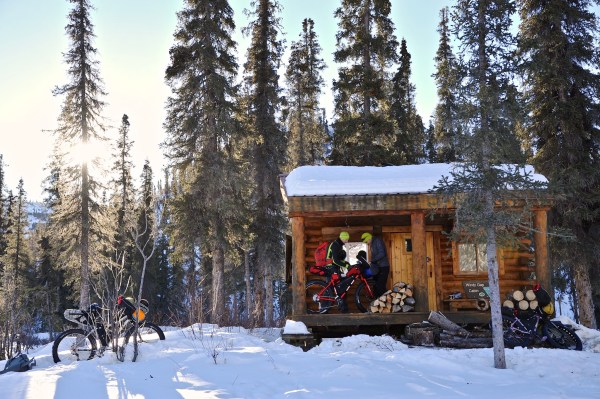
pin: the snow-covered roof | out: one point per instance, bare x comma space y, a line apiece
371, 180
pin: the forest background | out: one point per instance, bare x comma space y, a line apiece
207, 230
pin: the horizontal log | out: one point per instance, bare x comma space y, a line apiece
439, 319
472, 334
464, 343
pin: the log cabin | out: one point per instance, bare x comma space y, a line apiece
397, 204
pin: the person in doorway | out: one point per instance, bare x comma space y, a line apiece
378, 258
337, 254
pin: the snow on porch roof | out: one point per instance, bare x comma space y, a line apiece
371, 180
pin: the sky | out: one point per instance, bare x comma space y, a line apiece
133, 38
204, 361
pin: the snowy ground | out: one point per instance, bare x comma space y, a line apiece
204, 361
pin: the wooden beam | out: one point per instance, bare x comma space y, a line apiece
419, 260
364, 204
298, 267
386, 319
540, 237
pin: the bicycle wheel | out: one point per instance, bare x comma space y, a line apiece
561, 337
325, 300
72, 346
515, 334
364, 296
147, 333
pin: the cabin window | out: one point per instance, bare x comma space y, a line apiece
352, 249
472, 258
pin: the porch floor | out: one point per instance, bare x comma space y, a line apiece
339, 325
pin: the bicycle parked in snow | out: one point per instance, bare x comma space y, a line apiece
523, 328
94, 334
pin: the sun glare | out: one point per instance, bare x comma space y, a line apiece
85, 152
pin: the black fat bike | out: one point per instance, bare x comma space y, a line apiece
94, 335
524, 328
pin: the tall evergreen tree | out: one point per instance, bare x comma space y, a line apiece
307, 137
482, 184
143, 232
122, 196
79, 126
446, 128
203, 132
3, 220
410, 132
17, 274
562, 90
266, 150
366, 47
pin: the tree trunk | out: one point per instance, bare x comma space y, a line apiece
587, 316
218, 293
84, 298
367, 58
247, 279
495, 306
269, 296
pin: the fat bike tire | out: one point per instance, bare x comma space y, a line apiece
562, 337
363, 297
73, 345
320, 305
147, 333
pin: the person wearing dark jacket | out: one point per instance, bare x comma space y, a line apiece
378, 258
337, 254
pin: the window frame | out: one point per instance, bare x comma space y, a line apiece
456, 261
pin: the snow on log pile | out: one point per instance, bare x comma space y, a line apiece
398, 299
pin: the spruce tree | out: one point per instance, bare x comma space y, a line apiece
202, 134
16, 278
485, 182
143, 229
3, 220
303, 74
80, 125
366, 49
122, 197
562, 92
410, 132
265, 151
446, 127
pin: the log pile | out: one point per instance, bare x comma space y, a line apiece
454, 336
398, 299
521, 300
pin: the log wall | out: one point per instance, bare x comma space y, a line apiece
517, 264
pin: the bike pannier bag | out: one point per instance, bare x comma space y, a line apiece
318, 270
321, 255
19, 362
541, 295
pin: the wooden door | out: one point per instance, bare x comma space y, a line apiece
401, 267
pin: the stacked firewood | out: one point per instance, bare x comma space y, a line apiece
521, 300
398, 299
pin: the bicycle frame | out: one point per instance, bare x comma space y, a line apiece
352, 276
93, 324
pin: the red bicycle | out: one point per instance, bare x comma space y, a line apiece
322, 295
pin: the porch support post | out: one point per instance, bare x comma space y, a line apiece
419, 260
298, 267
540, 237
